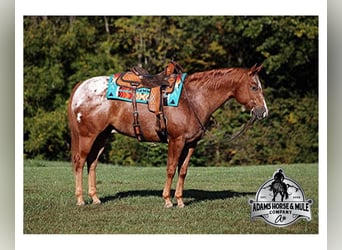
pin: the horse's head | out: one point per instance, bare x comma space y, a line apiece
249, 93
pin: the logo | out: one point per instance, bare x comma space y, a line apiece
280, 201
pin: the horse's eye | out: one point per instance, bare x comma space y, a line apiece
254, 87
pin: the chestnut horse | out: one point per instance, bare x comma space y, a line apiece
92, 118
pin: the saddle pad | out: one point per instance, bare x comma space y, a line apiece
116, 92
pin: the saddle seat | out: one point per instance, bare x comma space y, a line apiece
141, 78
160, 85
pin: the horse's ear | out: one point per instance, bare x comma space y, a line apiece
255, 69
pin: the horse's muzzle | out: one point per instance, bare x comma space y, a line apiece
260, 112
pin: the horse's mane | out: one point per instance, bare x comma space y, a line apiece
216, 77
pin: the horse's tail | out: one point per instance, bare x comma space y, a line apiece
73, 131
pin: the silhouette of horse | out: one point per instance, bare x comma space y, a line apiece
280, 187
92, 118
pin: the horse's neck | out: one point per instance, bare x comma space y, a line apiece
206, 98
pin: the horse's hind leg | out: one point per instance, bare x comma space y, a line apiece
91, 164
78, 164
80, 151
274, 195
92, 161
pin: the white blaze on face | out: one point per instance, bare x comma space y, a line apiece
263, 99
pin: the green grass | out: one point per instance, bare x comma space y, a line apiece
216, 200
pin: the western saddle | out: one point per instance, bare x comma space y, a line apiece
160, 85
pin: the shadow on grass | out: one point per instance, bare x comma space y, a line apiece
194, 194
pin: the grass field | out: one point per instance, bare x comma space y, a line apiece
216, 200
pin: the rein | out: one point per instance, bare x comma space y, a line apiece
249, 123
194, 111
243, 130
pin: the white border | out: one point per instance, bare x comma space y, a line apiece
176, 7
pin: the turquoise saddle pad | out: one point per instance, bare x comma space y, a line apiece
117, 92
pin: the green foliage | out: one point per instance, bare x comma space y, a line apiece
289, 134
128, 151
47, 134
61, 51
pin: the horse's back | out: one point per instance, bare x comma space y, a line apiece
93, 87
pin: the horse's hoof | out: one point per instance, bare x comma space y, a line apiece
80, 203
181, 205
168, 205
96, 201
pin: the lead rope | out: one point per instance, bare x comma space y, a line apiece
244, 129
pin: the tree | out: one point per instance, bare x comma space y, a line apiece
61, 51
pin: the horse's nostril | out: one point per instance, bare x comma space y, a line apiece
260, 113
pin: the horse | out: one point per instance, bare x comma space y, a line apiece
92, 118
280, 187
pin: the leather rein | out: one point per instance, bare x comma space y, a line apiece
203, 127
243, 130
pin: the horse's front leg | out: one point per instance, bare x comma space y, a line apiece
182, 171
174, 151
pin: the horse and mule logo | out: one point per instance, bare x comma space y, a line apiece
280, 201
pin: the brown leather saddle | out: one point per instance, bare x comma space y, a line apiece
160, 85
